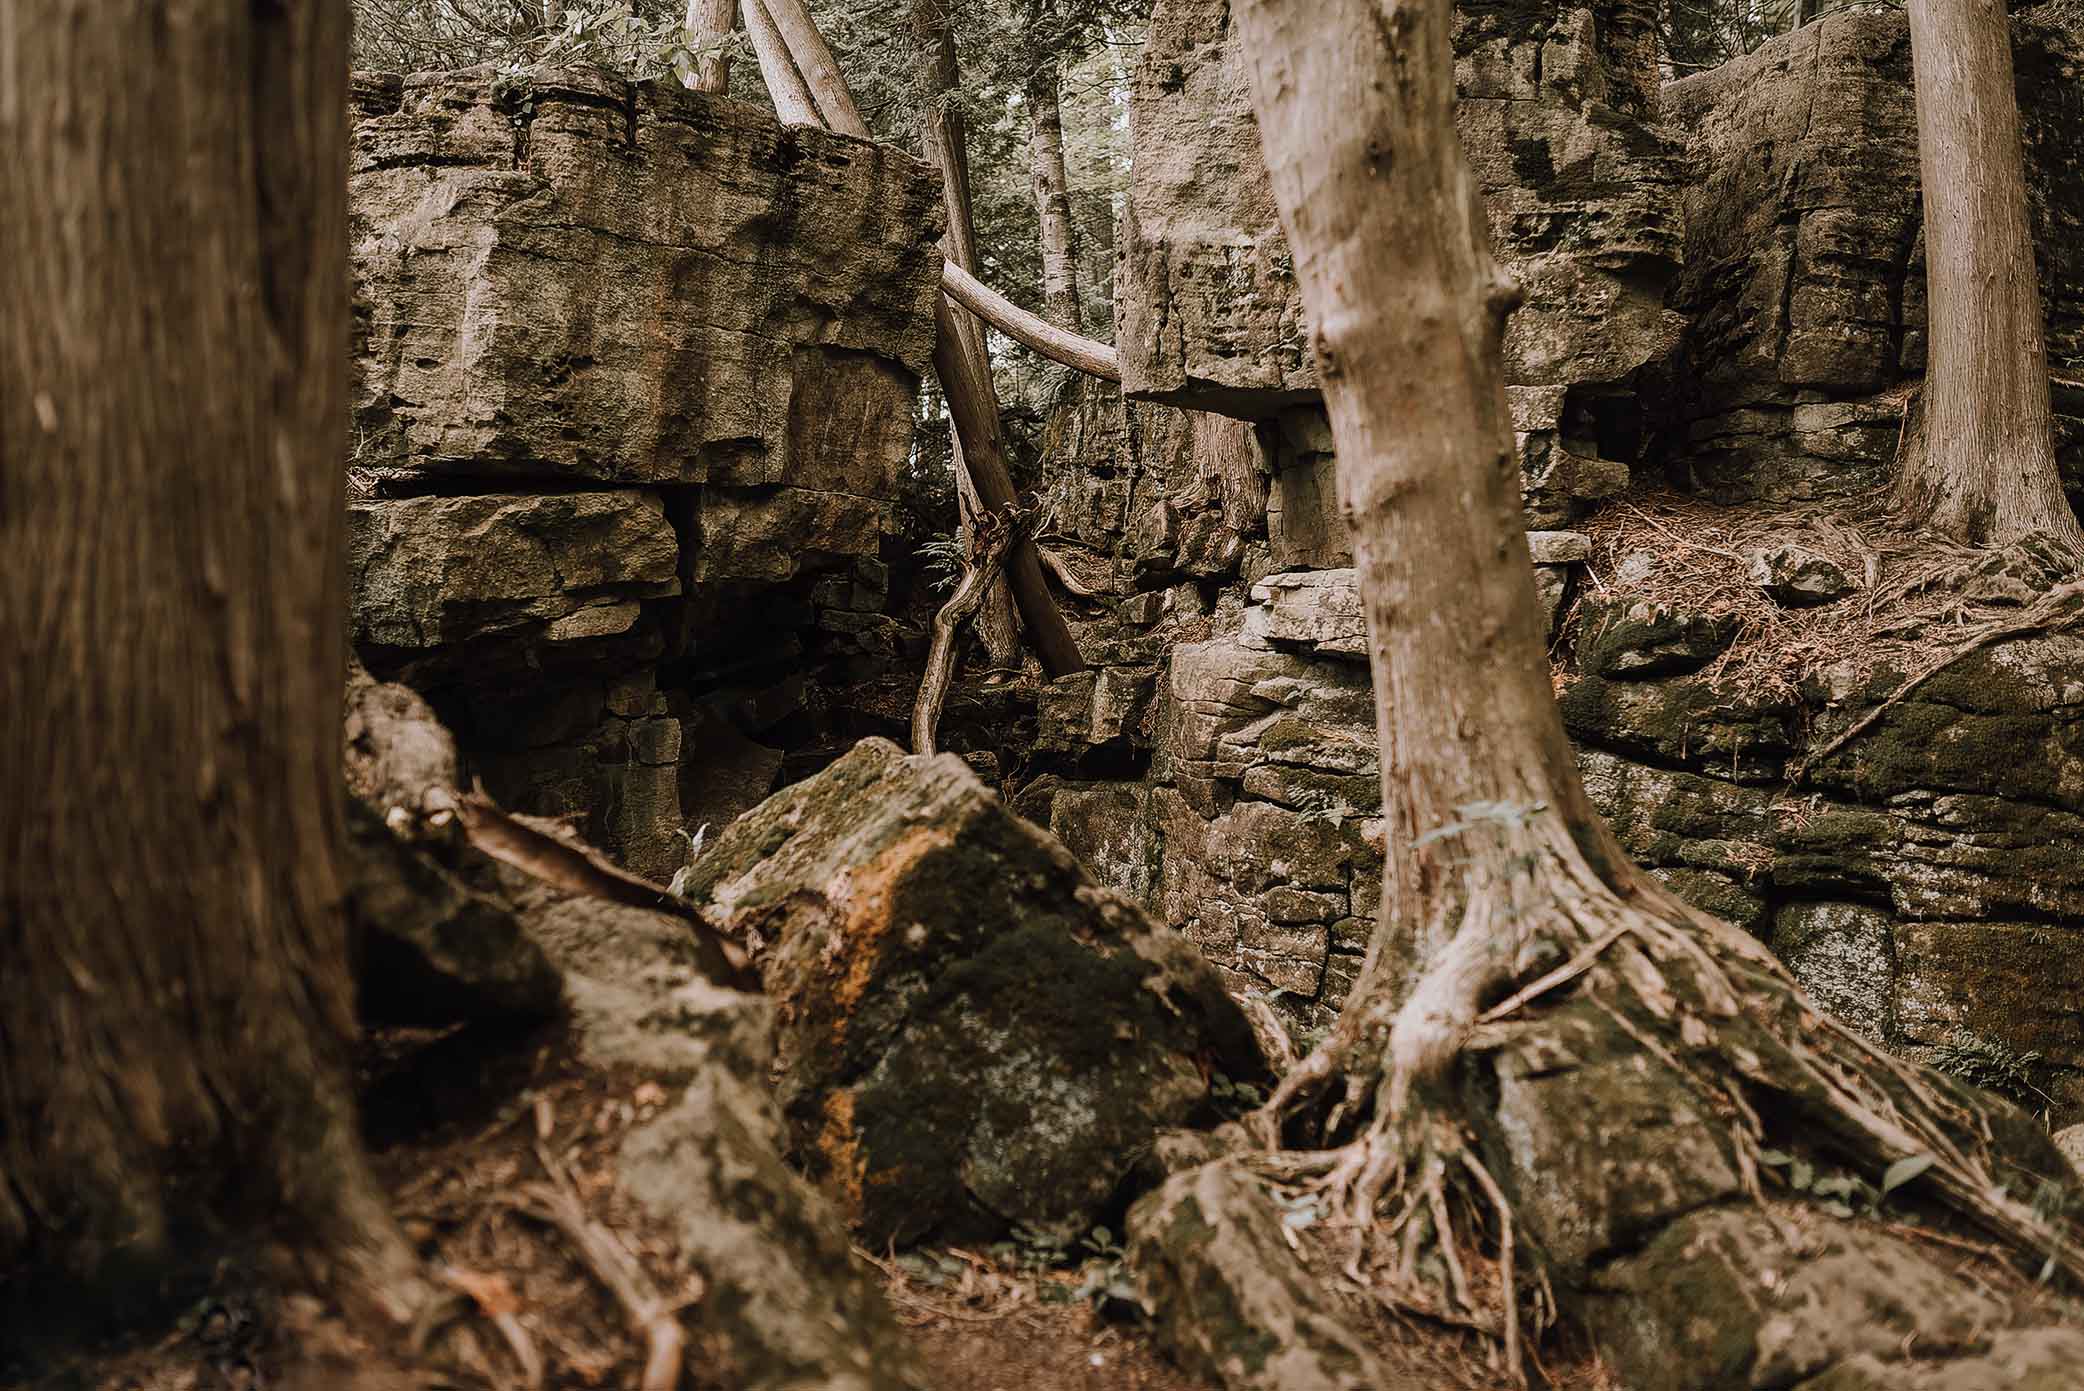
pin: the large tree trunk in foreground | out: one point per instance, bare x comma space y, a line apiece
175, 994
1979, 463
1519, 953
1052, 187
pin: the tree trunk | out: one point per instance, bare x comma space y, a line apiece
1053, 196
793, 103
1516, 938
173, 319
709, 25
1982, 467
944, 140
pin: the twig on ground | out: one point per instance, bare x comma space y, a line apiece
651, 1315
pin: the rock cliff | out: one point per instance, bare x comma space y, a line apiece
635, 377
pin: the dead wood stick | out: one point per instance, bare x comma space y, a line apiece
2041, 617
578, 868
996, 537
651, 1316
1065, 575
960, 364
1053, 341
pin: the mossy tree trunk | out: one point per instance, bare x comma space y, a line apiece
175, 998
1508, 908
1980, 462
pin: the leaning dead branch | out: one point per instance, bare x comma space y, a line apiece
1075, 350
536, 848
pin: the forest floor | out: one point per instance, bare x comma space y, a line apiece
470, 1132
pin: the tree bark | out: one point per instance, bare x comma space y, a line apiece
813, 58
1052, 188
1510, 914
709, 25
1982, 468
792, 99
173, 319
973, 404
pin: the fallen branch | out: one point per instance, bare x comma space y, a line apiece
1067, 577
525, 843
2039, 619
1058, 344
993, 538
652, 1316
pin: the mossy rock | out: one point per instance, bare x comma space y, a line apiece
972, 1033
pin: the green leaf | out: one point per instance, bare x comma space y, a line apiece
1102, 1235
1775, 1159
1903, 1171
1801, 1173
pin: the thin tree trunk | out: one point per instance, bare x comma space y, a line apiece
965, 374
709, 26
792, 99
944, 141
1982, 468
175, 995
1052, 196
813, 58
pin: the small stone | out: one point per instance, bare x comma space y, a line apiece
1796, 577
2071, 1142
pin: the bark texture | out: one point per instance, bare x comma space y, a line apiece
1052, 195
176, 990
709, 26
1979, 462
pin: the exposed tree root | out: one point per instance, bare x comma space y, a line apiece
1705, 1013
991, 541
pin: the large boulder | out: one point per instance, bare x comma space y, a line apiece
971, 1032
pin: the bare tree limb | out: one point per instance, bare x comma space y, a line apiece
1058, 344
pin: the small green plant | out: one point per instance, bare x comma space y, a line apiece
1838, 1192
943, 561
1232, 1098
1995, 1067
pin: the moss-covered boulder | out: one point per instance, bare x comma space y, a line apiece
972, 1033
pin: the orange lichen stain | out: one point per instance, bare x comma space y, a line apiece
867, 899
839, 1145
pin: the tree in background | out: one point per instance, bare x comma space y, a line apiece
175, 1005
1978, 459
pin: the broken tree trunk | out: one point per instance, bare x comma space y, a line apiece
1980, 463
1544, 1042
176, 991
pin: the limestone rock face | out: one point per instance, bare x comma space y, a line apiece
1804, 260
1557, 113
972, 1033
567, 276
634, 373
